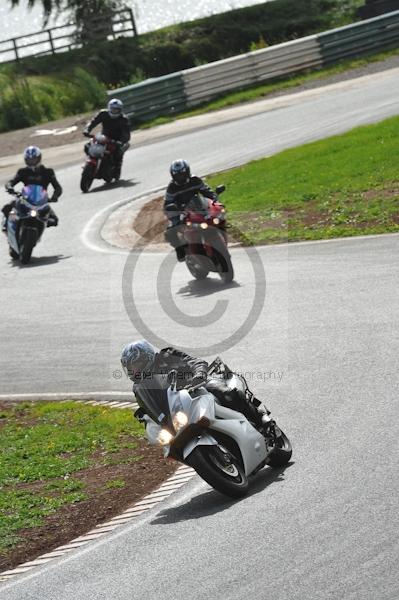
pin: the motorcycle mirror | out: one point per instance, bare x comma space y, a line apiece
220, 189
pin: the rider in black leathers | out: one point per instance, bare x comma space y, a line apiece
141, 362
178, 194
33, 174
115, 125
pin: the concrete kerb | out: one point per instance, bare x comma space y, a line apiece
179, 478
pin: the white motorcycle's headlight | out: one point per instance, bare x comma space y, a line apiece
165, 437
180, 420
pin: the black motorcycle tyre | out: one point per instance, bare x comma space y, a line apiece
225, 269
26, 244
282, 451
196, 272
87, 178
14, 255
202, 460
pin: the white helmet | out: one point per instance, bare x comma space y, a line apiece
115, 108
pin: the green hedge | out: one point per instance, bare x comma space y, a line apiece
164, 51
25, 102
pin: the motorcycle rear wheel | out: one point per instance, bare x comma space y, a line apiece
26, 245
228, 479
282, 451
87, 178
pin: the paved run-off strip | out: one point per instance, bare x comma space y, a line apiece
181, 476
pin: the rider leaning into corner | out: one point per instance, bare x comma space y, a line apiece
115, 125
141, 361
34, 173
180, 190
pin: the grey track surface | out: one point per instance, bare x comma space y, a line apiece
326, 526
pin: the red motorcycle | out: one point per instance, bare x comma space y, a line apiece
204, 232
100, 161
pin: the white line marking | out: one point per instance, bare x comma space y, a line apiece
147, 503
93, 227
78, 396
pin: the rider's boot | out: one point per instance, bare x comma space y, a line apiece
117, 171
52, 222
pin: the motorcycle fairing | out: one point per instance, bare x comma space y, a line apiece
151, 395
249, 440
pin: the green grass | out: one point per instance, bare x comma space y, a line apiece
262, 91
342, 186
115, 484
42, 446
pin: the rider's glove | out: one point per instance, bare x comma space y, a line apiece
53, 198
140, 414
86, 133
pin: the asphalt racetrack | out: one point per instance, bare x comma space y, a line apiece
321, 349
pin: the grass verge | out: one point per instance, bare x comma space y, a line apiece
47, 449
342, 186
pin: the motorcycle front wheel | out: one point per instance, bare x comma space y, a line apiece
26, 245
14, 255
87, 177
195, 269
225, 267
221, 469
281, 452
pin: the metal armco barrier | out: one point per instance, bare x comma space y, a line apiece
205, 82
173, 93
359, 39
153, 97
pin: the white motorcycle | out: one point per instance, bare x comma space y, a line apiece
221, 444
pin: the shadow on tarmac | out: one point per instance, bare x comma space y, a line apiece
40, 261
122, 183
205, 287
212, 502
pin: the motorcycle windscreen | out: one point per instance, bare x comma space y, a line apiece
36, 195
152, 396
198, 204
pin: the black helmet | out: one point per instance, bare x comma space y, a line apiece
32, 156
180, 171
